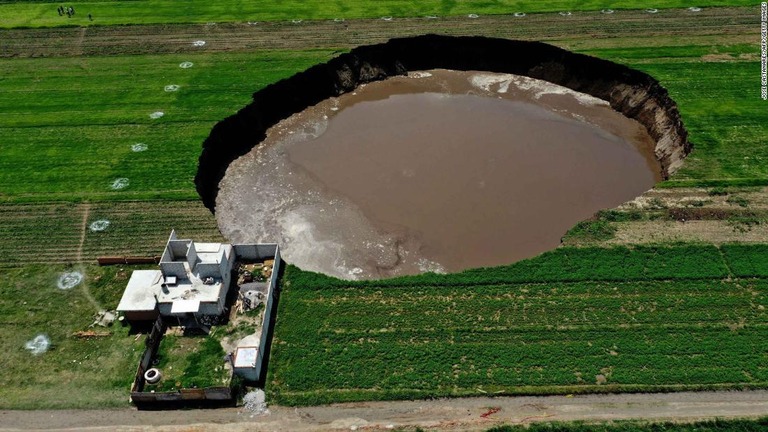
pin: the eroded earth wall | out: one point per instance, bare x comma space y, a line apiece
633, 93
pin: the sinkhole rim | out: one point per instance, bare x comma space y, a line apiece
632, 93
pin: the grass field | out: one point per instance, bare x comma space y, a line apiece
112, 12
658, 316
75, 372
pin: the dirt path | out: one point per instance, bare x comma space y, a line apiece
79, 257
83, 231
444, 414
582, 30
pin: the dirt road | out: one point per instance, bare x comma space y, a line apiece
444, 414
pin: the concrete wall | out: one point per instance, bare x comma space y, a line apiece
252, 252
266, 332
192, 255
208, 269
173, 268
211, 308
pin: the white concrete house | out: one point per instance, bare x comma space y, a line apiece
193, 281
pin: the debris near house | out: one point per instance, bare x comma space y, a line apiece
255, 402
491, 411
87, 334
104, 318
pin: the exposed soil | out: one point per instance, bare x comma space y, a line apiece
707, 231
694, 215
585, 29
465, 414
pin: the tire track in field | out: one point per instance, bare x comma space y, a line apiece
86, 208
83, 229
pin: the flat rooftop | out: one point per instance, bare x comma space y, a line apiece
139, 294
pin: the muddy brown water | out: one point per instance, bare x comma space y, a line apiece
439, 171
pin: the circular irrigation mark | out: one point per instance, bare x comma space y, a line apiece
694, 9
186, 65
652, 11
171, 88
139, 147
120, 183
198, 43
99, 225
473, 16
607, 11
69, 280
156, 115
39, 344
519, 14
565, 13
386, 18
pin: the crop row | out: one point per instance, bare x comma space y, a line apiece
520, 308
450, 340
51, 232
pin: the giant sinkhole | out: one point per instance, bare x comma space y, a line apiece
436, 153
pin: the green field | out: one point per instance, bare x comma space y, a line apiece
664, 316
646, 319
69, 124
112, 12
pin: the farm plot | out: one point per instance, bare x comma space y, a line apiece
52, 232
344, 344
37, 14
73, 128
142, 228
578, 31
